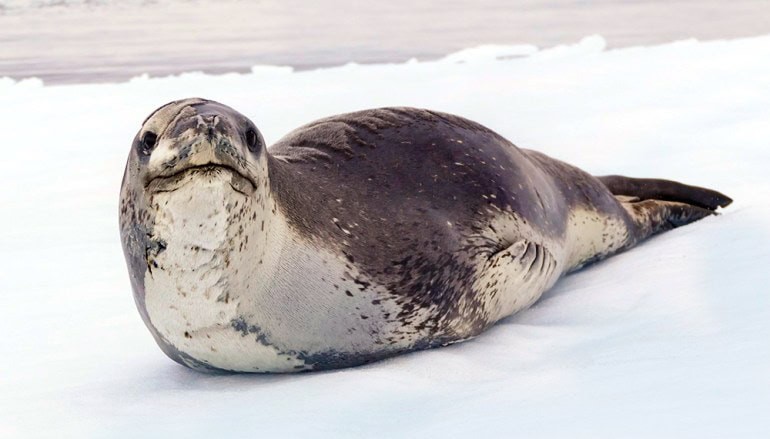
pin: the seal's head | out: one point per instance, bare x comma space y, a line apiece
197, 137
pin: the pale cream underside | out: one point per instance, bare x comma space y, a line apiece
208, 276
289, 295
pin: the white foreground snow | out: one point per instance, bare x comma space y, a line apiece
671, 339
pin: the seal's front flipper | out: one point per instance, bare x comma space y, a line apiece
513, 278
665, 190
655, 216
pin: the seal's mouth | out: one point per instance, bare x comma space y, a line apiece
168, 183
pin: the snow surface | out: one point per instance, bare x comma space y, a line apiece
671, 339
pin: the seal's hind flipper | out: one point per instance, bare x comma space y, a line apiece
665, 190
656, 206
655, 216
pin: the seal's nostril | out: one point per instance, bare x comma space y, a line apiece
210, 132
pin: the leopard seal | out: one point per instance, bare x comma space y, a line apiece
359, 236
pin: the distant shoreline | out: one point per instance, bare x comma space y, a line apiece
114, 42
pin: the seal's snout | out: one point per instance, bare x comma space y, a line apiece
196, 133
204, 119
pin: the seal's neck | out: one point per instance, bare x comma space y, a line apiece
216, 244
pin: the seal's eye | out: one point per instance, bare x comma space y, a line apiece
252, 140
148, 142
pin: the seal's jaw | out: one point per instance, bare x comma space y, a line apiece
234, 178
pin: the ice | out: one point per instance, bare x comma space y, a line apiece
670, 339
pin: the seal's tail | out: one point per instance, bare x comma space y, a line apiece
660, 205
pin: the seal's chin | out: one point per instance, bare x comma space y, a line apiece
169, 183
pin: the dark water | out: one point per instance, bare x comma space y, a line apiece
67, 41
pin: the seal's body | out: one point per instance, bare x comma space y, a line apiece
359, 236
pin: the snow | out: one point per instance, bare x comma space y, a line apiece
670, 339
